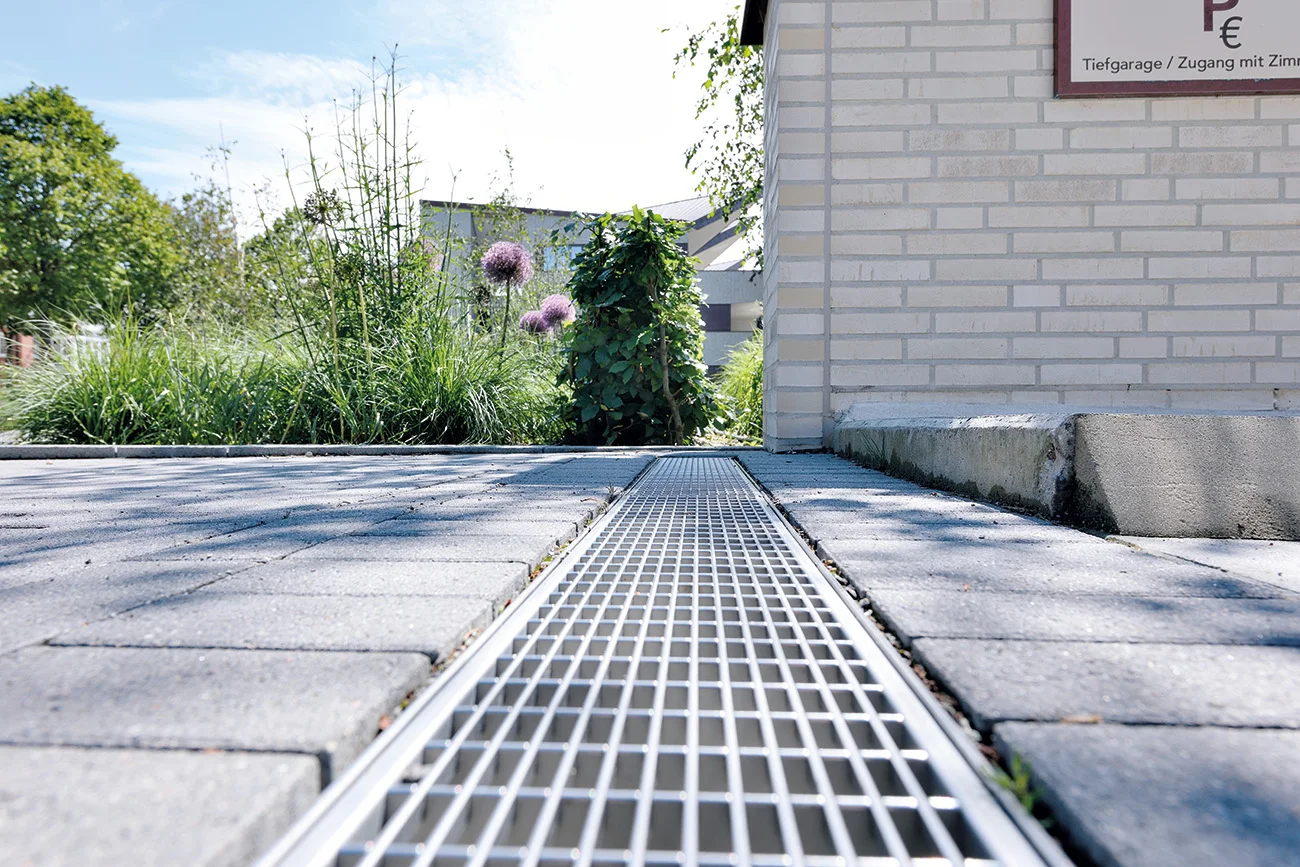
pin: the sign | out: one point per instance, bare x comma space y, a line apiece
1177, 47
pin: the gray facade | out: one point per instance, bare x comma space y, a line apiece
940, 228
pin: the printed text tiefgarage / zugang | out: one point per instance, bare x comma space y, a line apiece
1183, 63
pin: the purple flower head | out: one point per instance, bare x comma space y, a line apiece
557, 310
533, 322
507, 262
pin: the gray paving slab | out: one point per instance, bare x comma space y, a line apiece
1276, 563
262, 543
67, 807
327, 705
509, 548
916, 521
511, 506
493, 582
66, 599
1086, 566
1189, 685
104, 542
432, 625
559, 529
914, 614
1159, 797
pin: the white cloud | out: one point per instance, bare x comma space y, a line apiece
297, 79
580, 91
15, 76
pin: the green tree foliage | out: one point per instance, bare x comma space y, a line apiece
635, 359
277, 262
728, 158
77, 231
209, 276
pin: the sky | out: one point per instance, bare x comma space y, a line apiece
581, 92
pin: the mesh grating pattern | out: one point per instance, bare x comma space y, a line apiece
686, 689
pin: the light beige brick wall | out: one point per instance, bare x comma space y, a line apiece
941, 228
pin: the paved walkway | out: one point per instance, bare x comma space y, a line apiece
1156, 698
189, 649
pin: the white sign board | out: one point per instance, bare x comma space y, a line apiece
1177, 47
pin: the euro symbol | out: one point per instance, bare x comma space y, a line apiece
1228, 33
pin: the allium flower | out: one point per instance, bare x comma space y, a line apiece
557, 310
507, 262
533, 322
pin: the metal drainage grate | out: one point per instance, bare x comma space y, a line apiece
685, 687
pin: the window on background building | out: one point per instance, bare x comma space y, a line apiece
717, 317
559, 258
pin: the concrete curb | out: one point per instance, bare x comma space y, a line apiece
1196, 475
82, 452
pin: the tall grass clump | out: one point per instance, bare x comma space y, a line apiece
370, 347
741, 387
152, 386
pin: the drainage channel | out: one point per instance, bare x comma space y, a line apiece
684, 687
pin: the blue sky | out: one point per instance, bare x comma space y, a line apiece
170, 77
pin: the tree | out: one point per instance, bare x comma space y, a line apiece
209, 277
277, 262
77, 231
635, 359
728, 158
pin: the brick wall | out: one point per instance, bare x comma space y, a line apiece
941, 228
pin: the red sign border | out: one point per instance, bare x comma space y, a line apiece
1066, 88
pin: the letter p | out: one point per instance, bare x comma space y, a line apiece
1212, 6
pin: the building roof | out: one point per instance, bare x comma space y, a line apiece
475, 206
751, 29
695, 211
691, 211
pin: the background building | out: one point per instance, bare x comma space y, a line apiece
732, 294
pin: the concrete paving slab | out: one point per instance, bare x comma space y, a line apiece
326, 705
65, 807
512, 506
1087, 566
261, 543
102, 542
558, 530
493, 582
932, 524
508, 548
432, 625
42, 608
999, 681
1157, 797
1277, 563
915, 614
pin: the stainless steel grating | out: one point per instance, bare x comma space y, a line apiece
684, 687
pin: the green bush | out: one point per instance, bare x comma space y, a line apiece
635, 355
741, 387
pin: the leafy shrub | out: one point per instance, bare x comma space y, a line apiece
741, 386
635, 358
